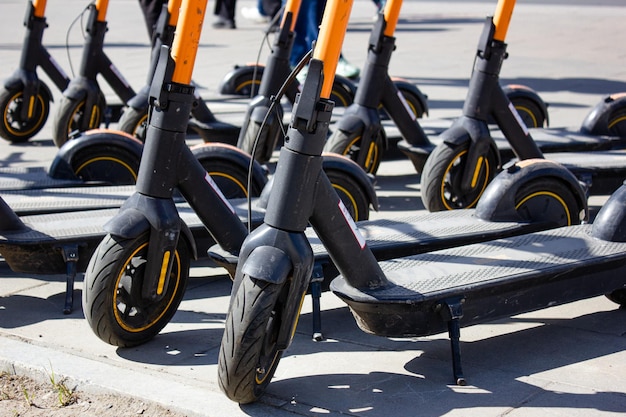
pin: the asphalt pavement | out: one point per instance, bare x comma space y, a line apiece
567, 360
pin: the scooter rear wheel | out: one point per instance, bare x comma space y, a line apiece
353, 196
349, 144
442, 175
547, 199
134, 122
530, 113
248, 354
112, 301
106, 163
70, 115
13, 128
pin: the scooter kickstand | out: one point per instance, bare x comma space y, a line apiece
451, 311
315, 287
70, 257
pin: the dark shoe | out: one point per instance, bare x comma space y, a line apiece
224, 24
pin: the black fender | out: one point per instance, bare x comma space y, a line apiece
61, 167
140, 214
610, 222
20, 78
513, 91
498, 201
140, 100
80, 87
597, 121
359, 118
281, 258
231, 154
229, 82
404, 85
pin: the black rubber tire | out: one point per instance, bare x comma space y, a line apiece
348, 144
441, 178
231, 178
134, 122
106, 163
341, 95
247, 85
529, 111
618, 297
547, 199
109, 282
248, 355
352, 195
69, 114
617, 123
13, 128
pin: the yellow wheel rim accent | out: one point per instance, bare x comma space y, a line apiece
349, 196
239, 184
616, 121
548, 194
247, 83
108, 158
447, 173
372, 154
18, 133
530, 114
118, 318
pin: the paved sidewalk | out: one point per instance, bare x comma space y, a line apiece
560, 361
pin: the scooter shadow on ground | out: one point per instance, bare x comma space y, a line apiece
508, 362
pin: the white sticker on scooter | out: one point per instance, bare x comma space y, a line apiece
518, 118
406, 106
217, 190
355, 231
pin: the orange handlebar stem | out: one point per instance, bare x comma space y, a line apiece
173, 8
330, 40
101, 7
392, 13
39, 8
502, 18
187, 39
292, 6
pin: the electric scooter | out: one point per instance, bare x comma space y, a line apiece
276, 259
25, 99
135, 115
82, 106
467, 157
359, 134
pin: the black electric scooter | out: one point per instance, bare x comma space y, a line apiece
276, 260
359, 134
467, 157
134, 118
82, 106
24, 98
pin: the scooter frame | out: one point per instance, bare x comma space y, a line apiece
24, 81
82, 105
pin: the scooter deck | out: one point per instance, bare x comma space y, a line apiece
19, 178
602, 171
53, 200
38, 248
486, 281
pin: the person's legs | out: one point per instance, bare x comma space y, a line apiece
151, 10
225, 10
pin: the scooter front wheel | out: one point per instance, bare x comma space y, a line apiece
249, 354
112, 301
13, 128
70, 116
442, 176
349, 144
134, 122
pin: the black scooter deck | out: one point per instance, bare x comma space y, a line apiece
53, 200
602, 171
487, 281
19, 178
